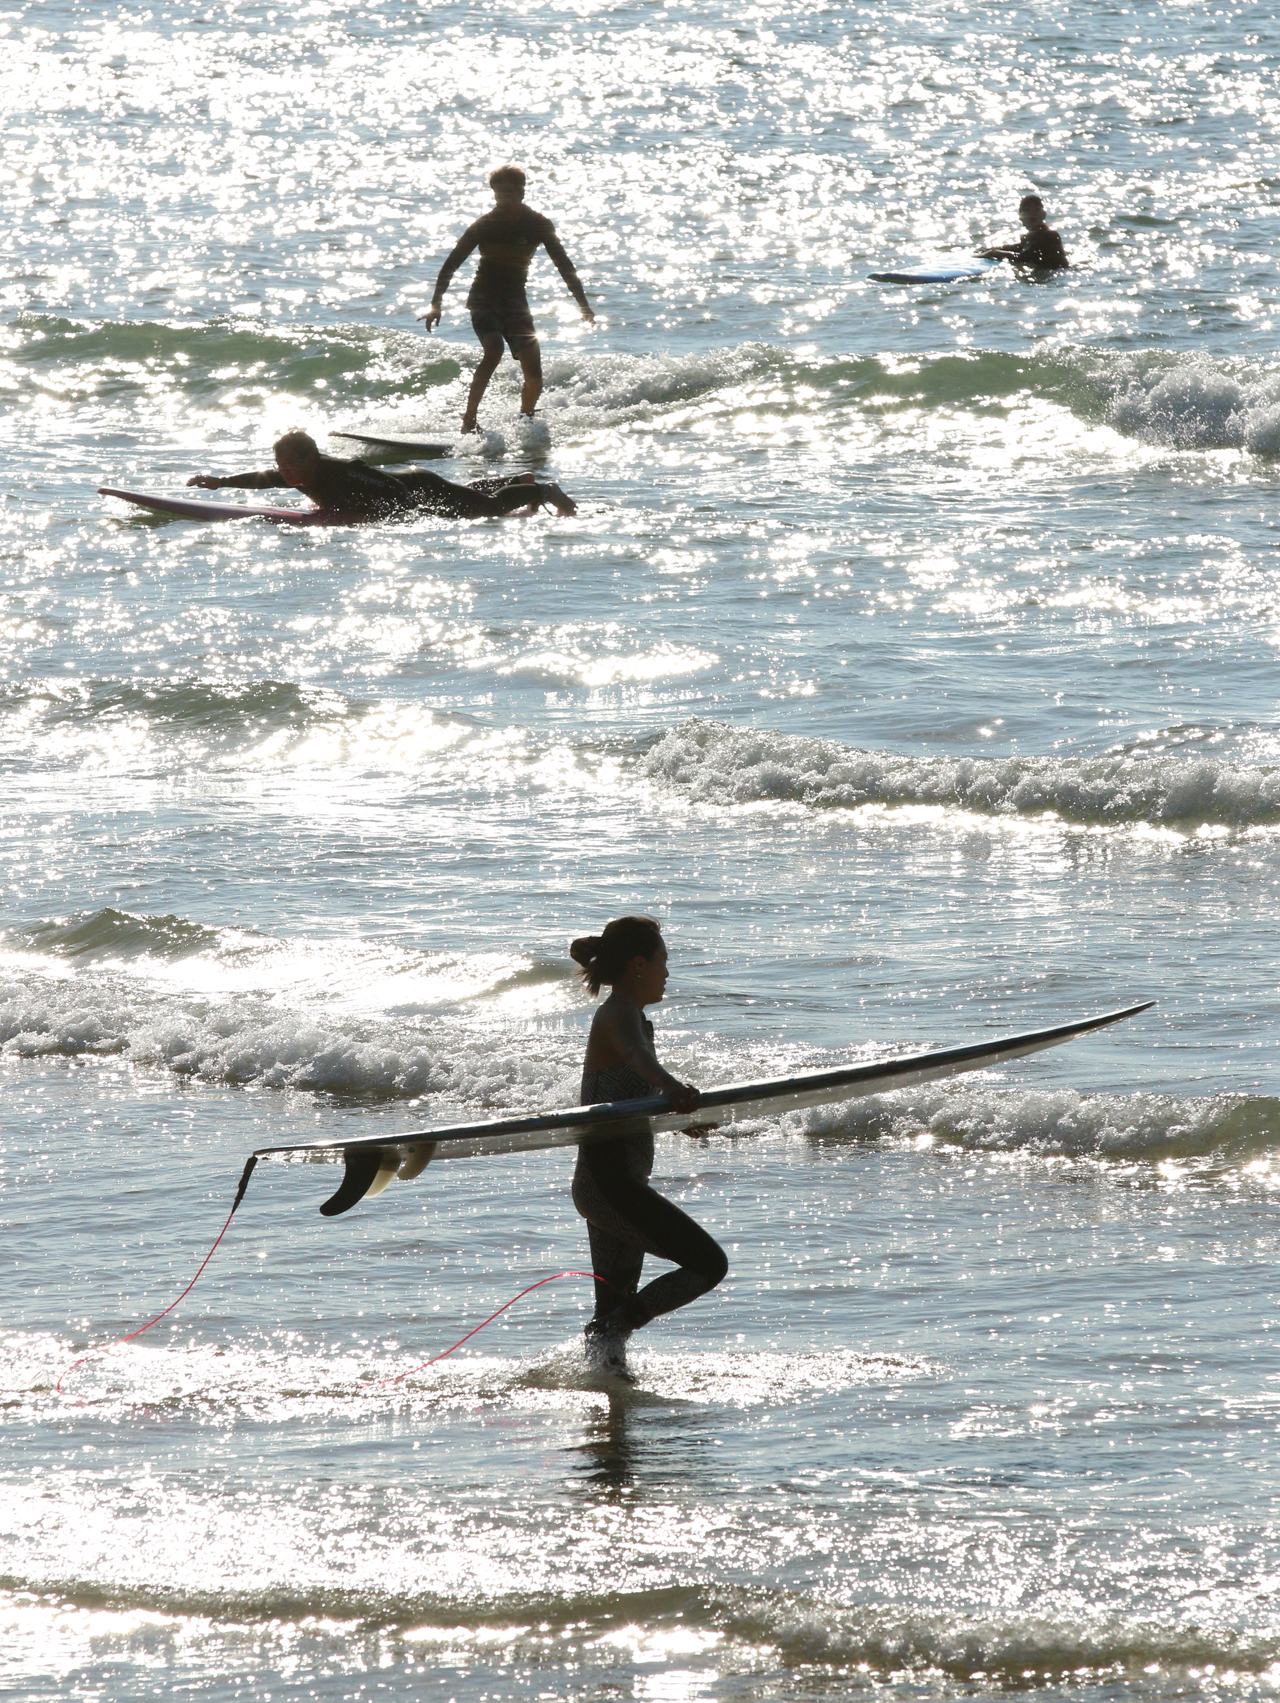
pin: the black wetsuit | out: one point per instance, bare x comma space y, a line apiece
627, 1219
1042, 248
355, 488
497, 300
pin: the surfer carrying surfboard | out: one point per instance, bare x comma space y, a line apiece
626, 1217
355, 489
508, 238
1041, 247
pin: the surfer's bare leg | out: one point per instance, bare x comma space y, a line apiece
530, 359
489, 361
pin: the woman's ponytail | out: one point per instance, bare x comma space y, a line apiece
604, 957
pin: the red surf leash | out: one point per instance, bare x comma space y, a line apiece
107, 1347
244, 1183
492, 1316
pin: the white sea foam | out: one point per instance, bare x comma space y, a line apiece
304, 1039
224, 1006
1063, 1122
1194, 402
722, 765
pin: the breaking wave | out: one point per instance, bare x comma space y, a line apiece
357, 1020
392, 380
722, 765
373, 1023
1059, 1122
357, 1624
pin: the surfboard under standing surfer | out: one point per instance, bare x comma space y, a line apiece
355, 489
508, 237
626, 1217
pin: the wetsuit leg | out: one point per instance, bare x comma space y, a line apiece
616, 1263
429, 492
489, 486
434, 495
633, 1215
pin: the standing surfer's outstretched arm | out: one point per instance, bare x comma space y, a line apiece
461, 249
565, 267
270, 479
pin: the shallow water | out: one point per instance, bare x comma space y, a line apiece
911, 657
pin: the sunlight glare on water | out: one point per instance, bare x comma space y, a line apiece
910, 658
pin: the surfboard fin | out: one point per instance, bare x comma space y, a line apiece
364, 1167
420, 1156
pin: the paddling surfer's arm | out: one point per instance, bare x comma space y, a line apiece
269, 479
624, 1032
461, 249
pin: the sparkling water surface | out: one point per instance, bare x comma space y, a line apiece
911, 656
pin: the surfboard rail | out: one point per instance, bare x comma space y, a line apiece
406, 449
373, 1160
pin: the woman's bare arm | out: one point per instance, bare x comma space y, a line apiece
619, 1029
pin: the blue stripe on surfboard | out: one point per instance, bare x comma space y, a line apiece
937, 274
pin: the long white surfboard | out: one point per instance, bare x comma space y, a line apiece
373, 1160
196, 508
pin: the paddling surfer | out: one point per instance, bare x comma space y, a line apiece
626, 1218
508, 238
1041, 247
367, 493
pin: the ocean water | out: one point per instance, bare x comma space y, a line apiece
912, 657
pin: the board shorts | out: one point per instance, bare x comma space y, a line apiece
509, 319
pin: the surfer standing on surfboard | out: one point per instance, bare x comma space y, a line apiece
355, 489
508, 238
626, 1218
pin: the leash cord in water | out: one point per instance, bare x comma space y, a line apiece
555, 1278
244, 1183
107, 1347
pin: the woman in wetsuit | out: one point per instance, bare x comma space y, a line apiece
626, 1218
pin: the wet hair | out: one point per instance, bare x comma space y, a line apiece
1031, 203
604, 957
300, 443
507, 177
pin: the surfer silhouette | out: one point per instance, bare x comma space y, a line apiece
508, 237
1041, 247
353, 488
626, 1217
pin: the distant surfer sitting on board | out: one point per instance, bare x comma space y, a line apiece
508, 238
367, 493
1041, 247
626, 1218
